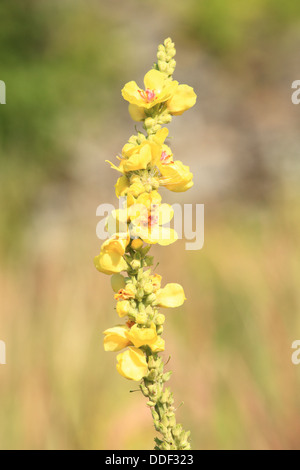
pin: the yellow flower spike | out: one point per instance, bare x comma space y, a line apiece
123, 307
110, 260
116, 338
147, 163
171, 296
183, 99
175, 176
132, 364
157, 90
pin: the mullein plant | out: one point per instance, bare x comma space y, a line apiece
146, 164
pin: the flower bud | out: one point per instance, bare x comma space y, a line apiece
137, 243
141, 318
176, 431
149, 122
135, 264
160, 330
160, 319
161, 55
162, 65
150, 299
148, 288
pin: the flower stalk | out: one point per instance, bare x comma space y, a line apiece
146, 164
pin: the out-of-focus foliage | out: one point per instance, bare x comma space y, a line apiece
235, 29
59, 62
64, 64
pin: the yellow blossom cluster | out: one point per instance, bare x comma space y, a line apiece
146, 163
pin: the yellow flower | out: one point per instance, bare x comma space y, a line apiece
110, 260
158, 89
175, 175
123, 307
136, 157
146, 337
183, 99
172, 295
116, 338
132, 364
147, 220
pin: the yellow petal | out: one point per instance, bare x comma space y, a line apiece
176, 177
130, 93
182, 100
159, 345
122, 308
162, 235
132, 364
121, 186
118, 168
142, 336
116, 338
161, 136
139, 161
172, 295
137, 113
110, 263
155, 80
165, 214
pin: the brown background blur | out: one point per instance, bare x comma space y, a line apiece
64, 64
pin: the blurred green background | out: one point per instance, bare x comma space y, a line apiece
64, 64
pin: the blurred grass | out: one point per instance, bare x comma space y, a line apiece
231, 342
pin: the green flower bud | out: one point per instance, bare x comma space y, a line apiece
144, 390
165, 446
135, 264
161, 55
160, 330
166, 377
148, 288
152, 376
141, 318
150, 299
162, 65
177, 430
149, 122
160, 319
140, 294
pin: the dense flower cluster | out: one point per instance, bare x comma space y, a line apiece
147, 163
